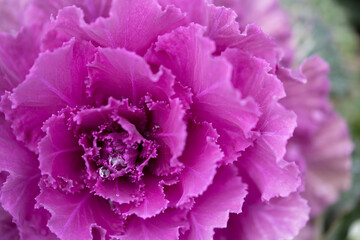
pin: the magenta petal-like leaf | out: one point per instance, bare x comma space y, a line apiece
279, 219
161, 227
254, 41
328, 163
195, 10
119, 190
269, 15
41, 11
90, 119
276, 126
16, 57
188, 54
74, 215
251, 77
22, 166
170, 133
154, 200
211, 210
123, 74
220, 22
200, 159
47, 90
60, 153
12, 15
264, 161
221, 26
21, 185
92, 8
8, 229
132, 24
308, 100
272, 178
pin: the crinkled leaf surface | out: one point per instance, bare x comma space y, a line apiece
74, 215
211, 210
47, 90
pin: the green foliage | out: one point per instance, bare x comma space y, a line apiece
352, 7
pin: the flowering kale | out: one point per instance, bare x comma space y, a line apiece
158, 119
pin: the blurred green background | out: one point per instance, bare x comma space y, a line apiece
331, 29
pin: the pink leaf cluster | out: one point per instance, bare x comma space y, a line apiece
161, 119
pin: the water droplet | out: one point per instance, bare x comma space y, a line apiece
115, 161
103, 172
156, 128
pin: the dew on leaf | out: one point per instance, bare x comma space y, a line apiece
103, 172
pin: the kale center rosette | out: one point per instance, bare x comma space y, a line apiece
147, 120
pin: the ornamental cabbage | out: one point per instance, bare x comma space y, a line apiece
156, 119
